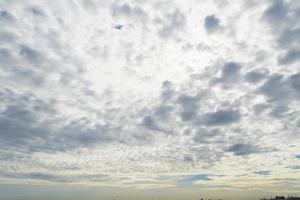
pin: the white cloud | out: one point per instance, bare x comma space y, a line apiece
175, 91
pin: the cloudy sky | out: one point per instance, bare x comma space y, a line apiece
136, 99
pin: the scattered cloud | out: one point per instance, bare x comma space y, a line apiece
211, 24
181, 89
263, 173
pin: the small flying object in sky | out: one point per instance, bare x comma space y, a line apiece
118, 26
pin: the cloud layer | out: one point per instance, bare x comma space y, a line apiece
150, 93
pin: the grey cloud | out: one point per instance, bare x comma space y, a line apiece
189, 106
36, 11
6, 17
167, 91
5, 56
263, 173
279, 111
50, 177
230, 73
294, 81
22, 127
188, 158
163, 110
296, 167
277, 12
284, 20
260, 108
222, 117
172, 23
150, 123
230, 69
241, 149
211, 24
6, 36
127, 10
290, 57
289, 38
29, 53
275, 87
281, 88
256, 76
204, 135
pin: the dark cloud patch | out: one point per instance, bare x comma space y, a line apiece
277, 12
263, 173
29, 53
189, 106
296, 167
275, 88
241, 149
294, 81
163, 110
230, 69
167, 91
50, 177
150, 123
29, 124
211, 24
260, 108
256, 76
290, 57
6, 36
204, 135
5, 56
289, 38
281, 88
6, 17
222, 117
284, 21
38, 12
188, 158
171, 24
279, 111
297, 156
230, 73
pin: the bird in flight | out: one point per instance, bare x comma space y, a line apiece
118, 26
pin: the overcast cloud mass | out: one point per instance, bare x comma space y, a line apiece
197, 94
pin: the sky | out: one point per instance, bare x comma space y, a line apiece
149, 99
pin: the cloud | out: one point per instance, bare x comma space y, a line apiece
277, 12
241, 149
263, 173
281, 88
256, 76
290, 57
222, 117
211, 24
230, 70
288, 38
296, 167
6, 17
128, 11
189, 106
29, 53
285, 14
189, 180
22, 126
230, 73
83, 103
171, 24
